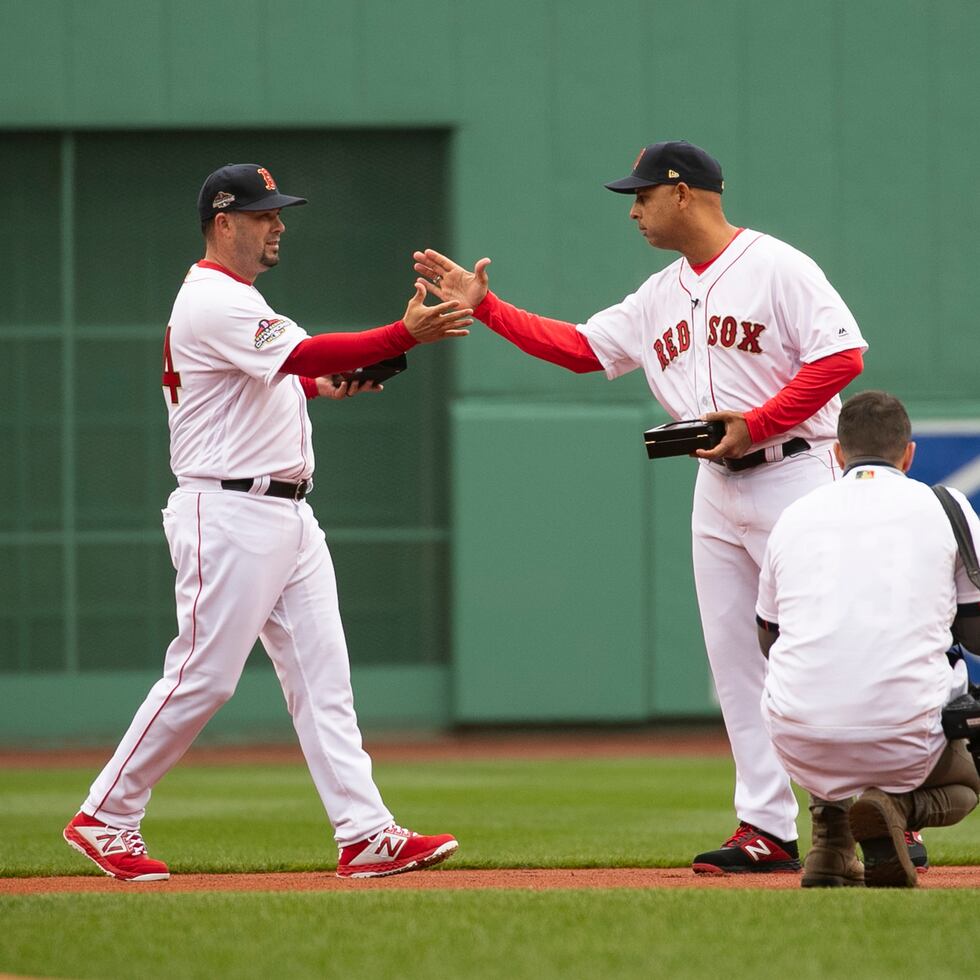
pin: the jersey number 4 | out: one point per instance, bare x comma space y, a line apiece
171, 378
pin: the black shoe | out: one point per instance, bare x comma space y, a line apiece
749, 850
917, 851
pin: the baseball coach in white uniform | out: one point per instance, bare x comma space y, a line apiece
861, 594
743, 329
250, 557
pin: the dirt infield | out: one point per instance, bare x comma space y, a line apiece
531, 879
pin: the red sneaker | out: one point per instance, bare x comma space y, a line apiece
393, 851
119, 853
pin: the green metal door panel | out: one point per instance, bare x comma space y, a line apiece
550, 563
87, 453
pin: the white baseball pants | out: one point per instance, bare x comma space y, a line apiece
732, 517
248, 567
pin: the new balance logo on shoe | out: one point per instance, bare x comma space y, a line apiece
390, 843
757, 849
111, 843
393, 851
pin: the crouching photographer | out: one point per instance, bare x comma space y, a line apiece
866, 584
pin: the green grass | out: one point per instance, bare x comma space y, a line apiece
595, 813
510, 934
571, 813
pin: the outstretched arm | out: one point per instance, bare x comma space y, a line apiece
550, 340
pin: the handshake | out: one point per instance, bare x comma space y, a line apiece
460, 291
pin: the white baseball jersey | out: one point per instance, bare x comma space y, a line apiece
730, 339
248, 565
863, 577
232, 414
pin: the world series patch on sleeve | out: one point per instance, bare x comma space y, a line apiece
682, 438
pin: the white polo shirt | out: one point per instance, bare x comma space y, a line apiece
863, 578
232, 413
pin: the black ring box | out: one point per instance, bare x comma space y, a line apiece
381, 371
682, 438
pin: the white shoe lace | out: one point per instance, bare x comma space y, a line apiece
395, 829
134, 841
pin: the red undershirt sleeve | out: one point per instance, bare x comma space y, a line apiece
330, 353
309, 387
814, 385
550, 340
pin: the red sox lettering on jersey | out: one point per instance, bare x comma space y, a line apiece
722, 331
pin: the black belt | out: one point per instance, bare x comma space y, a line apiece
276, 488
748, 461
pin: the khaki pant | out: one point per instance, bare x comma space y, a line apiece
947, 794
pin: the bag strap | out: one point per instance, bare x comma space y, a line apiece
961, 531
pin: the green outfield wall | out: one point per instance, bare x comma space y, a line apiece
505, 552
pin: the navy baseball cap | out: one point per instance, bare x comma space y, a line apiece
672, 162
241, 187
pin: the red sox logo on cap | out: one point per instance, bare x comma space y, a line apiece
270, 184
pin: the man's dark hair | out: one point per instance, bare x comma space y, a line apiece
875, 424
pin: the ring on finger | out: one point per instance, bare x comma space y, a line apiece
436, 280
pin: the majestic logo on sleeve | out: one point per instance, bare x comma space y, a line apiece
723, 331
268, 331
